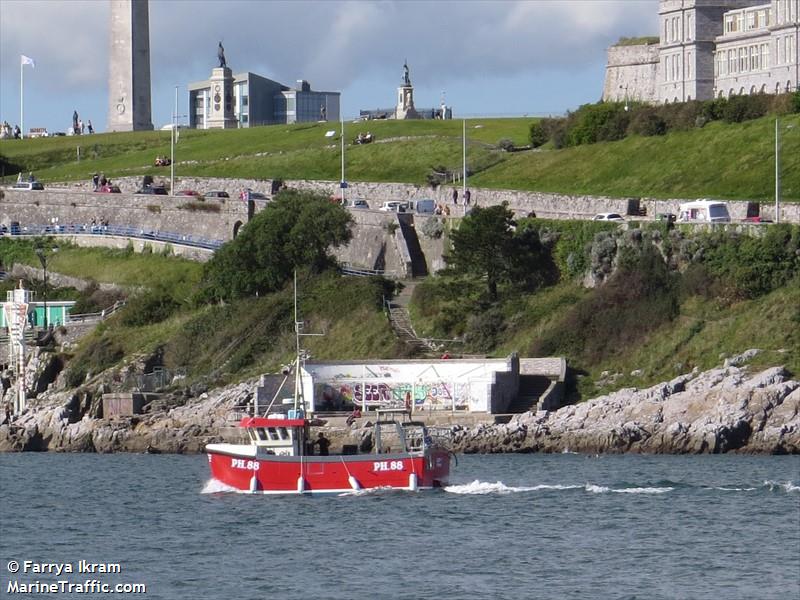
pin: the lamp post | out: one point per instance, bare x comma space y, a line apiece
43, 259
778, 168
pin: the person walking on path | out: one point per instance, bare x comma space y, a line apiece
467, 196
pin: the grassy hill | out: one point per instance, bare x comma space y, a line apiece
734, 161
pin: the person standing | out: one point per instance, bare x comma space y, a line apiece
467, 196
89, 127
455, 196
80, 126
96, 181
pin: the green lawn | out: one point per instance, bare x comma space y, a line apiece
720, 160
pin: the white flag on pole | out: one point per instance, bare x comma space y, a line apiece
27, 60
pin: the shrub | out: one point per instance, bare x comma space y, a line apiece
597, 123
647, 122
96, 356
506, 145
538, 133
744, 108
150, 307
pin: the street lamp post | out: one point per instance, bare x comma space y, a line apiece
778, 169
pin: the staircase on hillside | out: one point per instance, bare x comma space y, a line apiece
419, 266
400, 320
531, 388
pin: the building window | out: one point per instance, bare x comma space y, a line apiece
753, 58
765, 56
751, 21
730, 23
742, 60
731, 61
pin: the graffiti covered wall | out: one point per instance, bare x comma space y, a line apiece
441, 385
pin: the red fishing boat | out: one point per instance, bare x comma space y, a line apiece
280, 457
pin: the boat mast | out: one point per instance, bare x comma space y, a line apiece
298, 403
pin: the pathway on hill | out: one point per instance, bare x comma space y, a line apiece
400, 320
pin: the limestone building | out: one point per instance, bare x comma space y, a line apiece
129, 67
710, 48
255, 100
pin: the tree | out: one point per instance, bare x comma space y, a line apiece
488, 245
294, 231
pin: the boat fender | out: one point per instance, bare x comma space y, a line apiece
301, 484
253, 484
413, 485
354, 483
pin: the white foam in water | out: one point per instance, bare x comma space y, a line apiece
600, 489
482, 487
731, 489
787, 485
214, 486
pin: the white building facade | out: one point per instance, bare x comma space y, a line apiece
712, 48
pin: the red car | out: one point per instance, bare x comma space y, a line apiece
194, 193
108, 189
756, 219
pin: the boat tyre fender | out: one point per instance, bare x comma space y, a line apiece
413, 483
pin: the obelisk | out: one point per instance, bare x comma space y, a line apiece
129, 67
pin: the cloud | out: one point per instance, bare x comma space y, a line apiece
336, 45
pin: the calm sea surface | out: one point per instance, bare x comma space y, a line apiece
526, 526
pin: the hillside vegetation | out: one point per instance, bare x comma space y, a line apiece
734, 161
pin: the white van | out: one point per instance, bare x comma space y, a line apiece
704, 211
394, 206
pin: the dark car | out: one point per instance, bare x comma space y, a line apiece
217, 194
153, 190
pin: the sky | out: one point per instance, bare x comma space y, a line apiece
495, 58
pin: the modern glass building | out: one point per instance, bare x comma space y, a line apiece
261, 101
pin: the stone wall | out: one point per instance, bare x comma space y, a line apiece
631, 74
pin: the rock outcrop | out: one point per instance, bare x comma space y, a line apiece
721, 410
727, 409
51, 424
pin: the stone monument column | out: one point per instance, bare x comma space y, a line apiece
405, 98
129, 67
221, 114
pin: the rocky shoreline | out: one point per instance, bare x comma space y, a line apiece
727, 409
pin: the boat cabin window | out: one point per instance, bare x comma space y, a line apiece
261, 434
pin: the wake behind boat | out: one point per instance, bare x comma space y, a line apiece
280, 457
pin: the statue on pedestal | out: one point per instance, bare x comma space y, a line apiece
221, 56
406, 78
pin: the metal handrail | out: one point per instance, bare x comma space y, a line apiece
115, 230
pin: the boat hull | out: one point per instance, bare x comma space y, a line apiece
326, 474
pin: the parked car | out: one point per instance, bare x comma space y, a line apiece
704, 211
615, 217
394, 206
194, 193
28, 185
756, 219
108, 189
258, 196
153, 190
217, 194
357, 203
425, 206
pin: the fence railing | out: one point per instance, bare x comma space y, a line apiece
115, 230
348, 269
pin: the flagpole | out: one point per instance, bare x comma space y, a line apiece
21, 98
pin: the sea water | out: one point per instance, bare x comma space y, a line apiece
507, 526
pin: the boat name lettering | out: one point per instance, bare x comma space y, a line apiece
240, 463
388, 465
